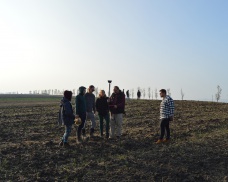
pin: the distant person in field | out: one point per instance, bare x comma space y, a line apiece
90, 108
117, 106
67, 117
103, 112
166, 115
80, 110
138, 94
127, 93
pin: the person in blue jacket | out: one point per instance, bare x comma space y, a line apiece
67, 116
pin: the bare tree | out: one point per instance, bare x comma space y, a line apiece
168, 92
132, 93
152, 94
144, 93
218, 94
156, 94
149, 94
182, 94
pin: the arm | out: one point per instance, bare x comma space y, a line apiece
111, 101
68, 110
171, 108
122, 103
107, 104
94, 105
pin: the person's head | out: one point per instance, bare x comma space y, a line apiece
68, 95
91, 89
102, 93
116, 89
82, 90
162, 92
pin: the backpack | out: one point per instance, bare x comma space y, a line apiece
60, 115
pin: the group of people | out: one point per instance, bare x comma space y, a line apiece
87, 106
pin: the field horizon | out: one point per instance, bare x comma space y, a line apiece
2, 96
29, 139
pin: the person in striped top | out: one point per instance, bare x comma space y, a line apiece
166, 115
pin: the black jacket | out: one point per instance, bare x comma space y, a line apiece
119, 100
102, 106
80, 102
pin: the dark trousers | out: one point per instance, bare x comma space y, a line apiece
83, 118
165, 128
107, 119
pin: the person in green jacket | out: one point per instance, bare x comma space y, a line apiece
80, 111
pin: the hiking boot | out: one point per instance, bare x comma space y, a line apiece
159, 141
166, 140
66, 144
61, 144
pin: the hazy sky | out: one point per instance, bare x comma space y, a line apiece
53, 44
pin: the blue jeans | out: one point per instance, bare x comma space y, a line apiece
90, 116
67, 133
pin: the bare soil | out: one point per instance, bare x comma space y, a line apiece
198, 150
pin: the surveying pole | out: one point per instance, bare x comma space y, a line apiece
109, 81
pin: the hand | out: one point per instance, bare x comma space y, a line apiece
115, 106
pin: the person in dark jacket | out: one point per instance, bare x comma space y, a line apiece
81, 111
103, 112
90, 109
127, 93
67, 117
117, 106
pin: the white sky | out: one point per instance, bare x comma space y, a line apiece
53, 44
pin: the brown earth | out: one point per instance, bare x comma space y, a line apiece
198, 151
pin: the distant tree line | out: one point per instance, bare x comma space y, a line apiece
151, 94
